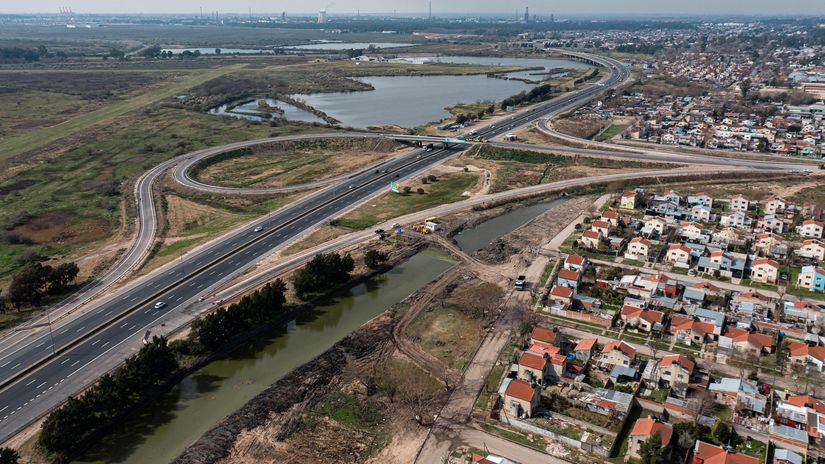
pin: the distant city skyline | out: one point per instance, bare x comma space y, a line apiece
582, 7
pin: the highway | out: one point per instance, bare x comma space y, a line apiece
37, 373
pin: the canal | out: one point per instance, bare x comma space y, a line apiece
162, 430
484, 233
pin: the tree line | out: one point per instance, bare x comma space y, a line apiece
83, 419
536, 94
33, 282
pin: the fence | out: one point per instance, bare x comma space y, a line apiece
584, 317
595, 449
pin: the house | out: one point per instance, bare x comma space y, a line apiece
700, 198
729, 236
609, 402
746, 342
671, 196
602, 227
520, 398
617, 353
678, 253
738, 394
700, 213
772, 223
591, 239
783, 456
645, 319
716, 318
722, 263
705, 453
654, 226
568, 278
544, 335
812, 249
811, 228
628, 200
811, 278
645, 428
739, 203
801, 311
584, 349
674, 369
802, 354
764, 270
561, 294
691, 231
575, 263
690, 331
736, 219
532, 367
638, 249
612, 217
765, 242
774, 205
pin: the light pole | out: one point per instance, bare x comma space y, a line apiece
51, 337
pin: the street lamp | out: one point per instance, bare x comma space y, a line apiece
51, 337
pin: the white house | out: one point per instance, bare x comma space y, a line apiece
678, 253
638, 249
628, 200
811, 228
700, 213
812, 249
772, 205
764, 270
739, 203
700, 198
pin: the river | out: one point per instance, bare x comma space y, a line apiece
162, 430
484, 233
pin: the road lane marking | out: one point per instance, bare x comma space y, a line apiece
133, 299
101, 346
38, 387
64, 361
124, 325
78, 330
133, 327
31, 382
40, 344
5, 364
95, 342
75, 363
108, 312
15, 366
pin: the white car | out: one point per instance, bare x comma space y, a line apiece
159, 304
257, 229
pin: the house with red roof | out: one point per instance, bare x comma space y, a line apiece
705, 453
678, 254
811, 228
562, 294
746, 342
617, 353
812, 248
532, 367
674, 370
575, 263
591, 239
612, 217
568, 278
629, 199
802, 354
520, 398
638, 249
585, 348
690, 331
541, 334
645, 428
764, 270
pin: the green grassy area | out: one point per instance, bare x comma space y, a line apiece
74, 200
447, 334
390, 205
658, 395
24, 142
516, 437
611, 131
289, 163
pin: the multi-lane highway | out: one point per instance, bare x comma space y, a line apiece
34, 373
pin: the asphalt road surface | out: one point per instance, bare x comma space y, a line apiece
32, 373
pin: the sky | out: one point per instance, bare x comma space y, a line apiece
578, 7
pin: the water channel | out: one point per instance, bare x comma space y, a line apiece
163, 429
484, 233
251, 111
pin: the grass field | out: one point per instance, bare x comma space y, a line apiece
447, 334
447, 190
22, 143
291, 163
611, 131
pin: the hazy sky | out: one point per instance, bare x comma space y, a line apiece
746, 7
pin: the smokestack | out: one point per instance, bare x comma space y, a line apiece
430, 15
526, 14
322, 16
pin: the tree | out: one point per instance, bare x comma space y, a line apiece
2, 302
25, 287
420, 191
9, 456
461, 119
217, 51
374, 258
322, 272
745, 87
407, 190
651, 450
721, 432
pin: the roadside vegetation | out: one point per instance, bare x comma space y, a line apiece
445, 189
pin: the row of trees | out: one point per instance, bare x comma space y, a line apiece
81, 420
322, 272
536, 94
464, 117
74, 425
213, 330
22, 55
34, 281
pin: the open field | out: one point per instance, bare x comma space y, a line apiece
447, 189
22, 143
289, 163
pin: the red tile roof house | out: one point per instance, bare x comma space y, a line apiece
544, 335
689, 331
568, 278
802, 354
575, 263
590, 239
644, 319
705, 453
617, 353
520, 399
753, 343
584, 349
562, 294
674, 370
532, 367
644, 429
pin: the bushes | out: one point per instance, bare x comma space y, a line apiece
536, 94
321, 272
72, 426
29, 285
375, 258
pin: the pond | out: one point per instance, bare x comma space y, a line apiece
409, 101
163, 429
252, 111
484, 233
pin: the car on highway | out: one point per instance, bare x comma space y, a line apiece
257, 229
419, 156
351, 186
160, 304
384, 171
